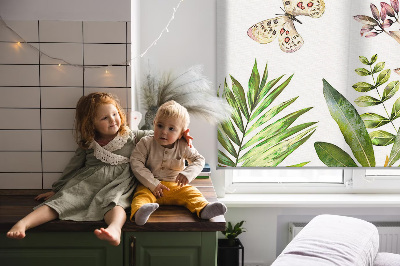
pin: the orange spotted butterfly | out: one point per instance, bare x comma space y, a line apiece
289, 39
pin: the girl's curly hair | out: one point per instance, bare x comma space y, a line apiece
86, 108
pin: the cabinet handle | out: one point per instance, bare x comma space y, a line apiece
132, 251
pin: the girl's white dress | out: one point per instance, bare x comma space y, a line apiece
96, 180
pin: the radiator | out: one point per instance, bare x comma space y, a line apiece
389, 235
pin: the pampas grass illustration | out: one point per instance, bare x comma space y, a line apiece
191, 89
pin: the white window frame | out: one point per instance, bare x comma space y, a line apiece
355, 181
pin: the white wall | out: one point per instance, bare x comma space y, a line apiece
192, 40
71, 10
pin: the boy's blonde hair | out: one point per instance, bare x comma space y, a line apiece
175, 110
86, 109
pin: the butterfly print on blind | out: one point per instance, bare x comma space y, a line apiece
283, 27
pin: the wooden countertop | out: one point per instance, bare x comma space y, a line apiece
15, 204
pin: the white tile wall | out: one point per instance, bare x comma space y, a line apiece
60, 97
20, 162
18, 53
19, 75
113, 76
38, 97
64, 75
17, 140
21, 181
11, 97
60, 31
19, 119
105, 32
71, 52
28, 30
101, 54
58, 118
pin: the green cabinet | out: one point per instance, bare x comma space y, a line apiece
136, 249
170, 248
59, 248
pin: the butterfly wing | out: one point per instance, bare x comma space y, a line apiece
312, 8
266, 30
289, 39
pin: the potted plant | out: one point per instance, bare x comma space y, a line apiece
228, 249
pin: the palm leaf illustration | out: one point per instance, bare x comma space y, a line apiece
253, 136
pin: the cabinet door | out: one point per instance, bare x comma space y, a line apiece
170, 248
61, 249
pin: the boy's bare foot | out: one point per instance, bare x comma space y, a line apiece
17, 231
110, 234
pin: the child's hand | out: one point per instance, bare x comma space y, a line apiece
188, 138
45, 196
158, 191
181, 180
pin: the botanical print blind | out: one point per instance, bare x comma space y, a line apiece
312, 83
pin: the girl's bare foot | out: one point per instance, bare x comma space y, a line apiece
110, 234
17, 231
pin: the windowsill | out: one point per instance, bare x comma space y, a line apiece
311, 200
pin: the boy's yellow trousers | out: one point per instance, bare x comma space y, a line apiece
187, 196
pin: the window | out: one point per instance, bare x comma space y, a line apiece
327, 180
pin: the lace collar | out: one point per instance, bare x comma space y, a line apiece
105, 154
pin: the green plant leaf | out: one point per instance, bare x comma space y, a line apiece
276, 127
373, 120
270, 98
276, 154
374, 58
363, 72
390, 90
364, 101
395, 110
270, 114
240, 97
265, 89
378, 67
395, 152
363, 86
254, 84
364, 60
265, 77
273, 139
351, 125
300, 164
224, 160
381, 138
383, 77
236, 115
230, 131
226, 143
333, 156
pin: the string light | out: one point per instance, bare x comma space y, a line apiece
164, 30
84, 66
